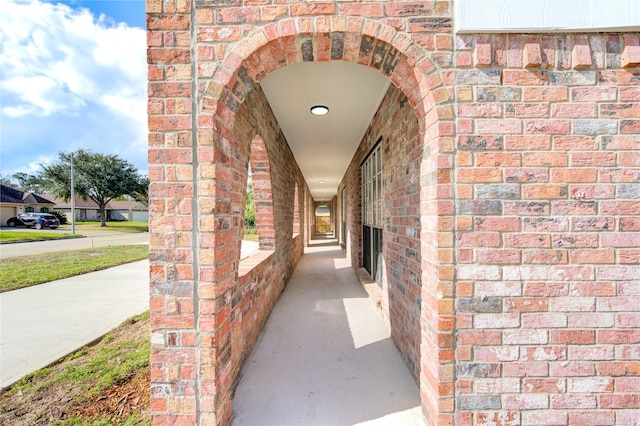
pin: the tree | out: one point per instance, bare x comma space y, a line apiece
28, 183
99, 177
7, 180
250, 211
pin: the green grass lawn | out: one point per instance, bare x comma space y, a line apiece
109, 363
103, 384
24, 236
25, 271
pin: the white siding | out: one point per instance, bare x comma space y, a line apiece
546, 15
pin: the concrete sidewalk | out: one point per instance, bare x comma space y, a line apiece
325, 356
40, 324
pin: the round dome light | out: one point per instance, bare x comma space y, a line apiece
319, 110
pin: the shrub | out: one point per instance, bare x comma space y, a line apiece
62, 217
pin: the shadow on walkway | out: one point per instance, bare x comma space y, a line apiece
325, 356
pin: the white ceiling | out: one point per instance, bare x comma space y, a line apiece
324, 145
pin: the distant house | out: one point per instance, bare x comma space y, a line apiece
88, 210
14, 202
130, 211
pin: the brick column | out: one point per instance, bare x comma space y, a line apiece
172, 192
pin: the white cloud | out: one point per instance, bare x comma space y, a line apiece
68, 53
34, 166
77, 77
39, 95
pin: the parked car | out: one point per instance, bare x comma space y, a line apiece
35, 220
12, 222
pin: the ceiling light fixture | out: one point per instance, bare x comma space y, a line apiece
322, 181
319, 110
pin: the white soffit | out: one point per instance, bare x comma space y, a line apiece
323, 146
546, 15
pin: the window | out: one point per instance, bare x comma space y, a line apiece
44, 209
372, 214
372, 189
29, 210
343, 205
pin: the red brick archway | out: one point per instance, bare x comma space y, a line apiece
382, 48
542, 267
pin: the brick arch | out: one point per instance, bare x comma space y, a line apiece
352, 39
409, 67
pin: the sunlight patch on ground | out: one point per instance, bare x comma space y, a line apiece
360, 311
412, 416
341, 263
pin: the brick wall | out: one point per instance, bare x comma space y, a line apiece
546, 174
525, 148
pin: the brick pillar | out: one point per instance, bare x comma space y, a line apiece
172, 192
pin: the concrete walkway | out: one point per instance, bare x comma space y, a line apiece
40, 324
325, 356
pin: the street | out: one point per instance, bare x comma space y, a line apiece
91, 240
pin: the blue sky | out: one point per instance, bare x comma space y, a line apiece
74, 76
131, 12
